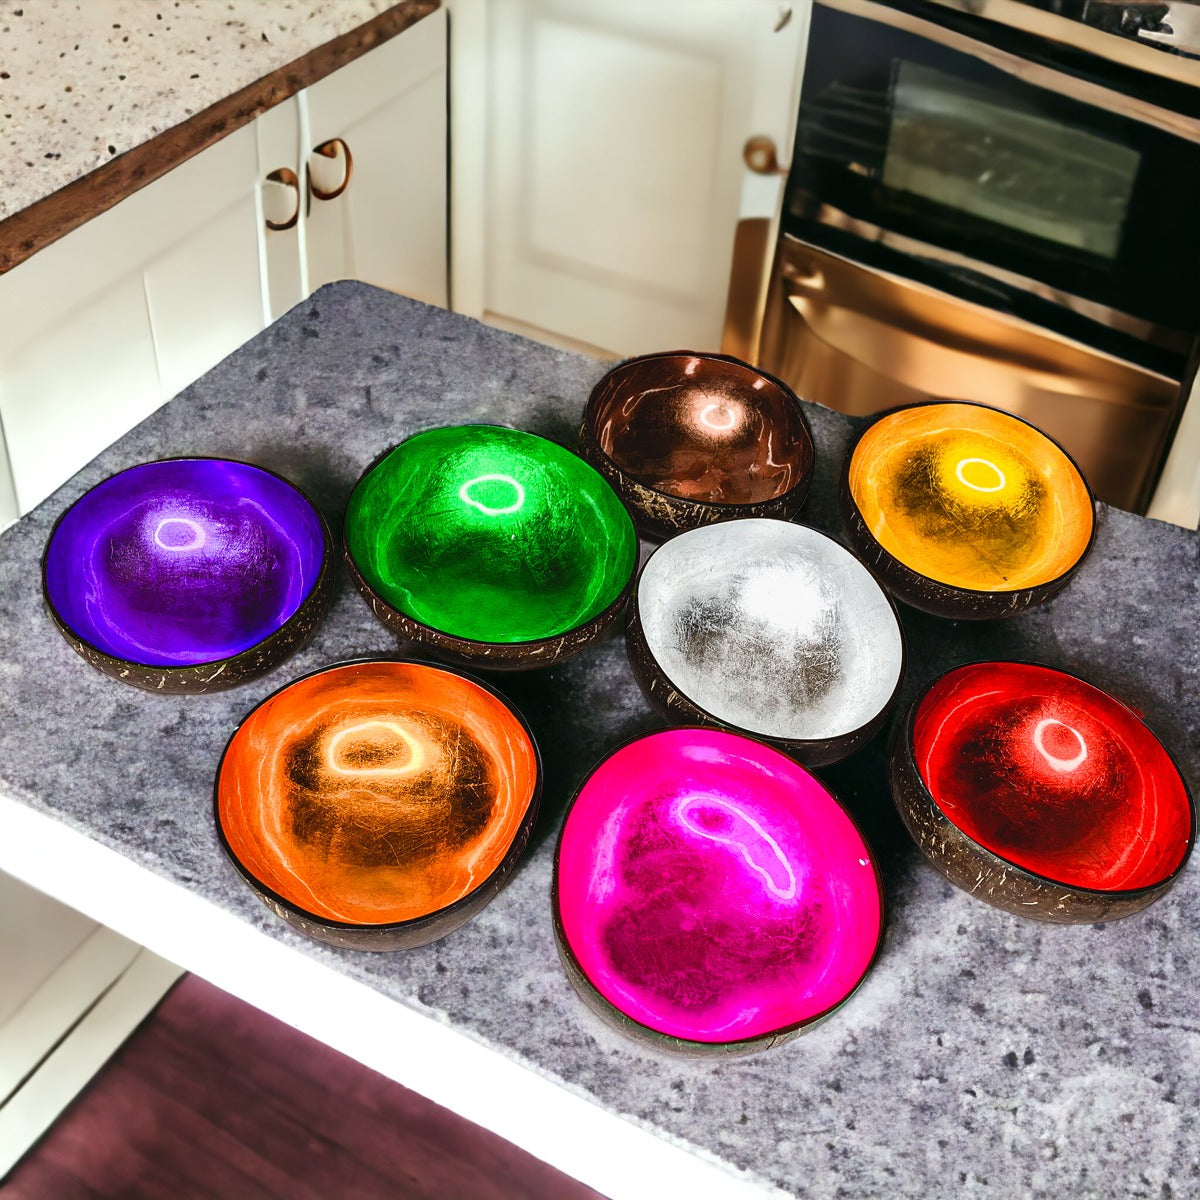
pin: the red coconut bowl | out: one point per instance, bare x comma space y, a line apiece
1041, 794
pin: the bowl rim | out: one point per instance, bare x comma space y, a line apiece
797, 743
113, 663
456, 643
802, 485
759, 1041
903, 741
914, 577
512, 854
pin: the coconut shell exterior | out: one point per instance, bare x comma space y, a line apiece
975, 869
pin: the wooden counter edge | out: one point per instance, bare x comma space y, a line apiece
46, 220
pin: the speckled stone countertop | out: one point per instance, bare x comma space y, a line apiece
82, 81
985, 1055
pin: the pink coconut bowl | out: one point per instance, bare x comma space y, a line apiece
711, 895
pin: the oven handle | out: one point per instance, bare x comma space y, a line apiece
957, 339
1174, 341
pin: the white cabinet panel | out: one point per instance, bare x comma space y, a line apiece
389, 225
77, 362
201, 266
1177, 496
56, 1002
9, 511
122, 1002
588, 210
612, 135
37, 934
278, 137
76, 387
204, 295
102, 326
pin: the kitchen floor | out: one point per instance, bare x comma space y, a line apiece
212, 1099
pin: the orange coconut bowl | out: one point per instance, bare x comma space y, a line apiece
378, 804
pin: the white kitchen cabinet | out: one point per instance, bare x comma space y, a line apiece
204, 289
71, 992
103, 325
36, 936
597, 166
280, 152
383, 119
96, 331
388, 225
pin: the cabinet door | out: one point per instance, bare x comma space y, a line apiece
70, 993
388, 110
281, 199
102, 326
77, 363
612, 136
204, 285
1177, 495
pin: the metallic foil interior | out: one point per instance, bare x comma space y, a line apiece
373, 793
491, 534
184, 561
771, 627
702, 428
1052, 774
971, 496
712, 889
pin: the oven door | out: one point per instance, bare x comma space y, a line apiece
861, 340
965, 156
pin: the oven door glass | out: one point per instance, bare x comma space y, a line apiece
981, 153
916, 153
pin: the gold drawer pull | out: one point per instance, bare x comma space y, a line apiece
331, 150
285, 177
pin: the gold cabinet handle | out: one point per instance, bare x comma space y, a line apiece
331, 149
760, 155
287, 177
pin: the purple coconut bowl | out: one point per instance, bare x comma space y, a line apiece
188, 574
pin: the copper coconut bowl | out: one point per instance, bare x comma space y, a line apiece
687, 439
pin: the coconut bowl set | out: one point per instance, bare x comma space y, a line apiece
711, 894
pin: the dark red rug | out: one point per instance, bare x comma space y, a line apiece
212, 1099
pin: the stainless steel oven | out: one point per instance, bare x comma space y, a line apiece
976, 210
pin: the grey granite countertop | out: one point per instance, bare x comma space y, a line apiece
985, 1055
82, 81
